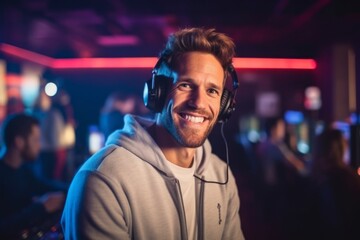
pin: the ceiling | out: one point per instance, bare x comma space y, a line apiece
109, 28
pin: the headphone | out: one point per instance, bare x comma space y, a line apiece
158, 86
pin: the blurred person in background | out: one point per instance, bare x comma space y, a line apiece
13, 105
275, 157
57, 133
336, 187
62, 103
27, 202
112, 113
281, 177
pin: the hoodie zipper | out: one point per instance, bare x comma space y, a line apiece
200, 216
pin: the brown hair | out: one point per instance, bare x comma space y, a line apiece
18, 124
201, 40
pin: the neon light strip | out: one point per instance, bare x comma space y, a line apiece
274, 63
148, 62
27, 55
136, 62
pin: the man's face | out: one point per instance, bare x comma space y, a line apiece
193, 104
31, 148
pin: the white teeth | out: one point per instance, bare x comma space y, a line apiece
194, 119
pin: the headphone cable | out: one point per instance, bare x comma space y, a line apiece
227, 161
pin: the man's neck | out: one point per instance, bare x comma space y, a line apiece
13, 159
173, 151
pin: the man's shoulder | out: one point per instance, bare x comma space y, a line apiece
110, 156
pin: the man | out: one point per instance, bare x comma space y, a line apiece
276, 158
158, 179
112, 113
26, 202
281, 182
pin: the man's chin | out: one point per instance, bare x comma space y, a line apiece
191, 143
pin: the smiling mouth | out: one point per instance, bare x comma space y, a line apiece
193, 119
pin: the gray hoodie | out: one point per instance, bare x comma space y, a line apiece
127, 191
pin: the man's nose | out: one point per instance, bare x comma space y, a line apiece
198, 99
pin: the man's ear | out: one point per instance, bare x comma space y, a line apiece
19, 142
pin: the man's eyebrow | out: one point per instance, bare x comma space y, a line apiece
215, 86
185, 79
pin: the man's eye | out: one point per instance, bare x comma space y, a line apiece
184, 85
213, 91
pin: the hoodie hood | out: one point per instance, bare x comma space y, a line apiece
135, 138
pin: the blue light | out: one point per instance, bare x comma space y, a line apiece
355, 118
253, 136
303, 147
294, 117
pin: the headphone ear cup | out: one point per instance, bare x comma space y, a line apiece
227, 106
149, 95
154, 98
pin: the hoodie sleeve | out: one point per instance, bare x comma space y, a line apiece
93, 210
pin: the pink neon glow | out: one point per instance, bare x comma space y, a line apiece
149, 62
274, 63
26, 55
138, 62
118, 40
